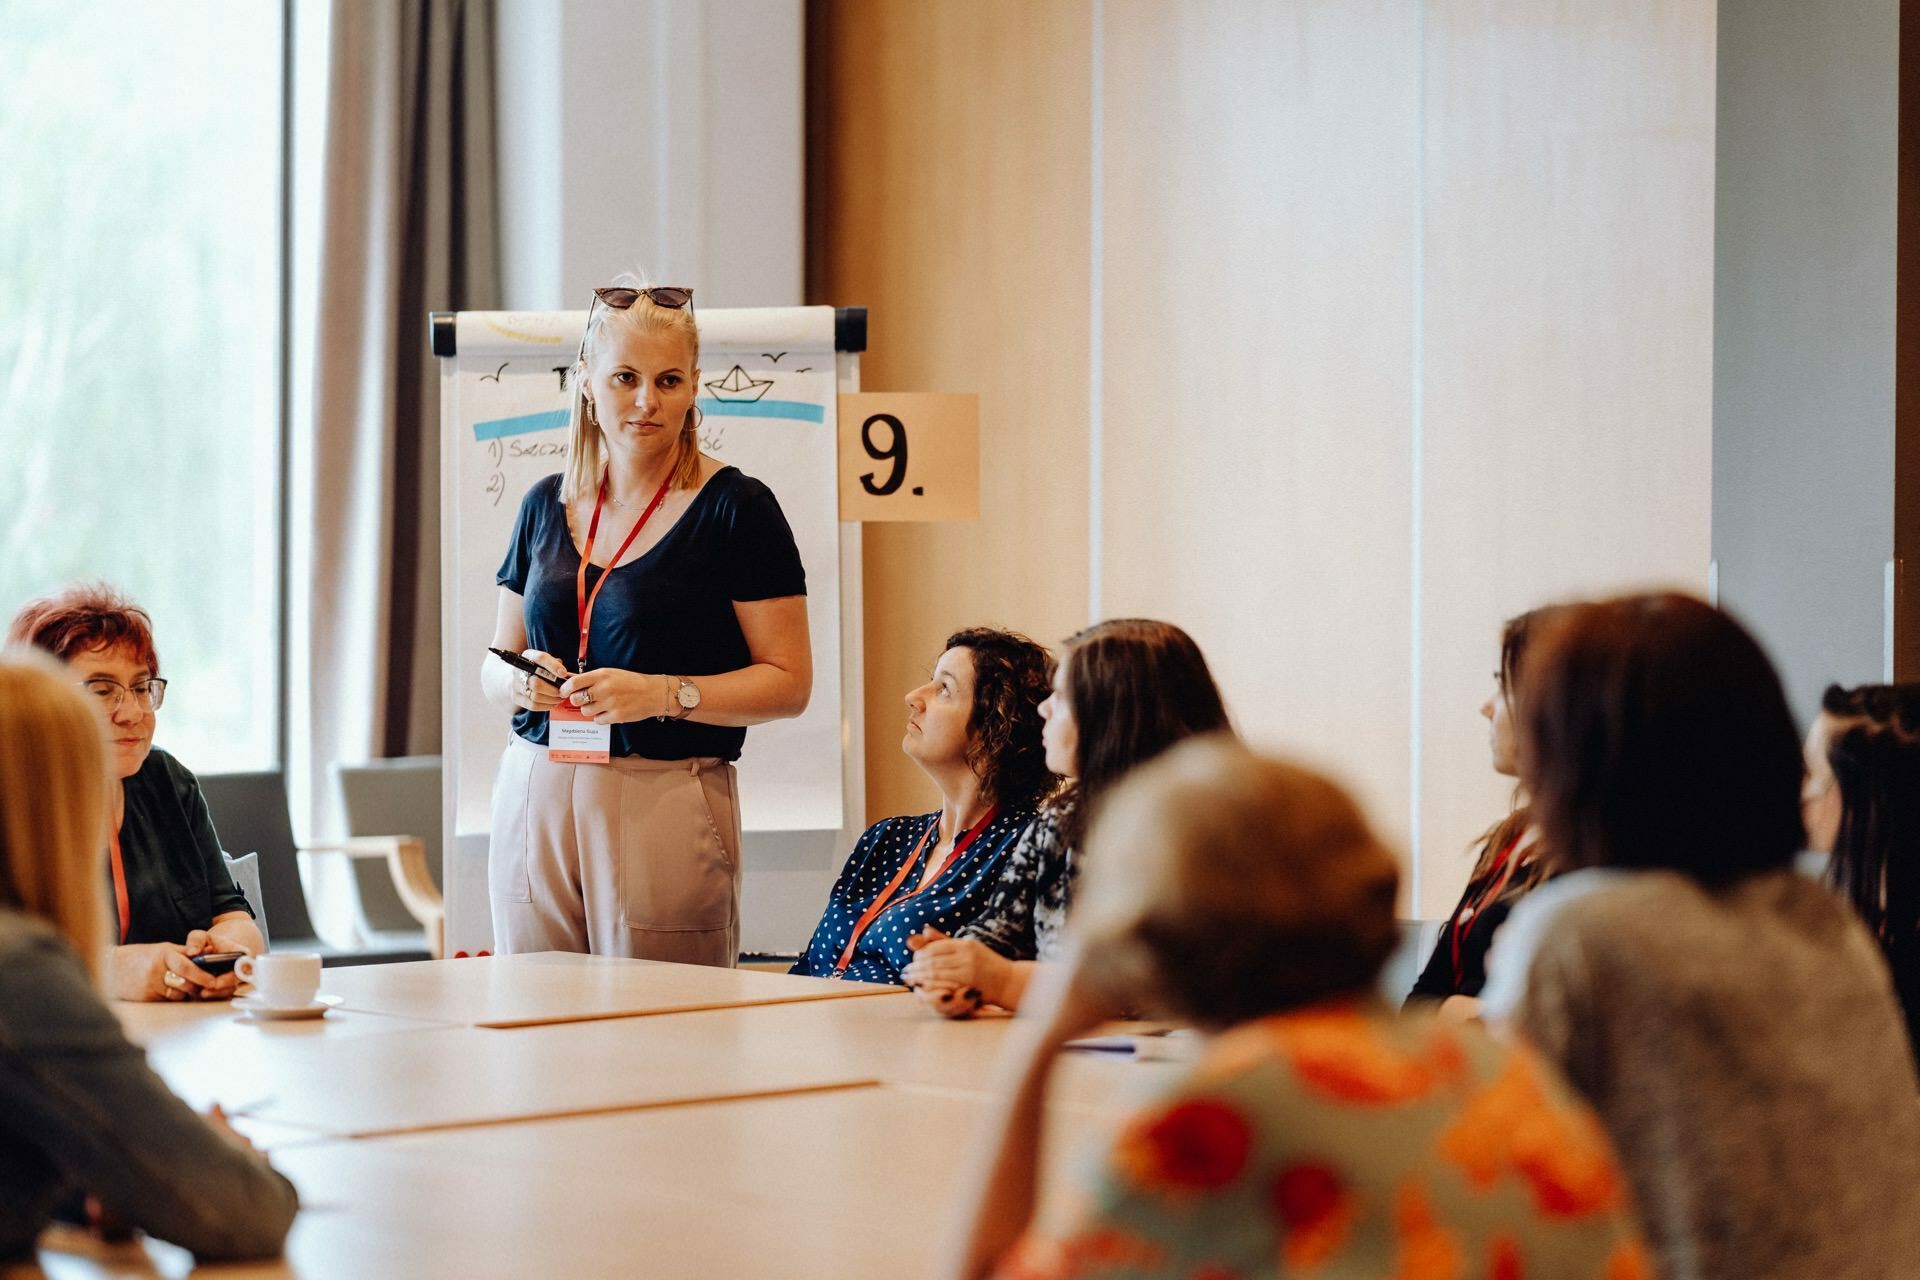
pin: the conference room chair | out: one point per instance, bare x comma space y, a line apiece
250, 813
397, 801
245, 870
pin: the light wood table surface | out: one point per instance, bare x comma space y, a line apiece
858, 1183
529, 990
795, 1138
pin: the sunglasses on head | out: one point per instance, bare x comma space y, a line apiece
620, 298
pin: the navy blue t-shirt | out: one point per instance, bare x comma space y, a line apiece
670, 612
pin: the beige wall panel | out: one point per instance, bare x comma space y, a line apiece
1260, 165
1567, 397
948, 191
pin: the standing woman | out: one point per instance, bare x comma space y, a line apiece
1125, 691
1861, 802
1509, 862
173, 896
664, 593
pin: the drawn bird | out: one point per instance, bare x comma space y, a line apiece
495, 375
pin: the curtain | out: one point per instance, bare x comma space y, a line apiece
408, 225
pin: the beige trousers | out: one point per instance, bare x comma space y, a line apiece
629, 858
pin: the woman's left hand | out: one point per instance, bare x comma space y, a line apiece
609, 695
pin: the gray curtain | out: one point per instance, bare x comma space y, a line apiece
409, 225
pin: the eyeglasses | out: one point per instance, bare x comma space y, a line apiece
620, 298
151, 692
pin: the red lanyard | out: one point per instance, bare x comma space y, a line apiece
120, 884
1497, 877
881, 903
582, 600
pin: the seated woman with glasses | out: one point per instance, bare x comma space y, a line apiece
84, 1113
174, 898
974, 728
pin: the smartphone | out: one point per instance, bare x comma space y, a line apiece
218, 962
532, 668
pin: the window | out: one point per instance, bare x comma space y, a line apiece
140, 338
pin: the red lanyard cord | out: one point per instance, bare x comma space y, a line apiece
1499, 875
583, 600
120, 885
882, 902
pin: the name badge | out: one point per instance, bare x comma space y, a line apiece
574, 739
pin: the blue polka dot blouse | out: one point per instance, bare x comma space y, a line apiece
950, 902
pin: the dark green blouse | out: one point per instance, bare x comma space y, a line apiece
176, 879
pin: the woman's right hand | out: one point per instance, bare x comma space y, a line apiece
531, 691
156, 971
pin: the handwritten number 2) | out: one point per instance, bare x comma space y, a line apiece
896, 452
496, 485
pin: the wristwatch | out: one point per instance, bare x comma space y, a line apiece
686, 696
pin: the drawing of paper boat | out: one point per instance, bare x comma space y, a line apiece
737, 386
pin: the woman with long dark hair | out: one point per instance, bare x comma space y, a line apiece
1509, 861
1125, 691
1861, 801
1729, 1019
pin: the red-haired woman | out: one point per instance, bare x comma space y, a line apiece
174, 898
1125, 691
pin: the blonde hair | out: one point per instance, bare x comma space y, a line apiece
1222, 885
53, 802
586, 451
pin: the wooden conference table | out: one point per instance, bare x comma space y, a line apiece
574, 1115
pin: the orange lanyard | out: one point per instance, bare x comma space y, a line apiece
581, 598
120, 884
881, 903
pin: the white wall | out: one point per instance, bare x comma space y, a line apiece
663, 134
666, 136
1406, 325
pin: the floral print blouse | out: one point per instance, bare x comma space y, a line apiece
1340, 1142
1026, 916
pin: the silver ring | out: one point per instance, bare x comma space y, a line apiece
585, 698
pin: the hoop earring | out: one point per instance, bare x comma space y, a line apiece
593, 419
695, 417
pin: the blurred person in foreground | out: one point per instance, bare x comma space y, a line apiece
83, 1112
1318, 1132
1730, 1019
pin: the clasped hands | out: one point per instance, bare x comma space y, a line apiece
605, 695
955, 976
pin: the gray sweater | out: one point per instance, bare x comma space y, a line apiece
1745, 1051
81, 1110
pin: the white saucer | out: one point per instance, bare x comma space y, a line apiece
256, 1007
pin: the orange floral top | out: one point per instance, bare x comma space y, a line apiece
1344, 1141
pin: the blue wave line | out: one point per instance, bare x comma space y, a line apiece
525, 424
798, 409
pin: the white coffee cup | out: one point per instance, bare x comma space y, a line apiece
288, 979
